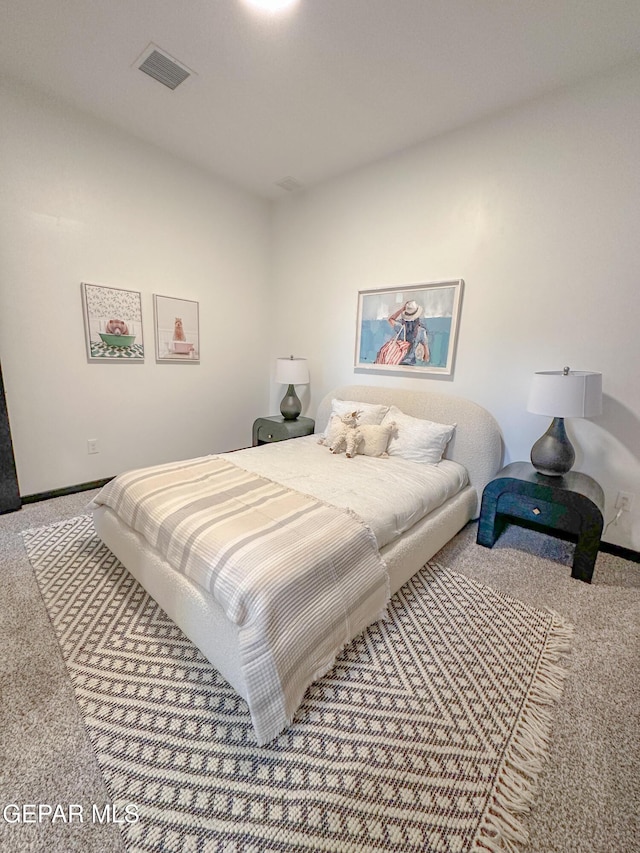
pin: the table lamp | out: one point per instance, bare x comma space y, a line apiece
291, 371
561, 394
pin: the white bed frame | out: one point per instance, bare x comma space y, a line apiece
477, 444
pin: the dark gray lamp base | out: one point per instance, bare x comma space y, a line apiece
553, 453
290, 406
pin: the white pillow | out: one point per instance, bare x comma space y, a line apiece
375, 438
370, 413
416, 439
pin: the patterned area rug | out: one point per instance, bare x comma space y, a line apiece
428, 734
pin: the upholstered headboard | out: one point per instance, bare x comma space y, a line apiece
476, 442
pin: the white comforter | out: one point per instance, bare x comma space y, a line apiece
389, 494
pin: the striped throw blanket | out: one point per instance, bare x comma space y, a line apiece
299, 578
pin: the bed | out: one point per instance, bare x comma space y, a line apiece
378, 531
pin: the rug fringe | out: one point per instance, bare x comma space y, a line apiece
502, 827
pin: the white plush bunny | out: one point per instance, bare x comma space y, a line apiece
342, 432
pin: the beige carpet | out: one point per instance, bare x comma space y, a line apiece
429, 734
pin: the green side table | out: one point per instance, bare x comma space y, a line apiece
275, 428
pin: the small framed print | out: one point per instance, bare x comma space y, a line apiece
177, 329
411, 329
112, 323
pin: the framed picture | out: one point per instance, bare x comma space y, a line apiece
410, 329
177, 329
112, 323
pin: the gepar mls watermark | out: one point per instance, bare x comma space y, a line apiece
56, 813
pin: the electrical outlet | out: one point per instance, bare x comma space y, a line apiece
624, 501
92, 445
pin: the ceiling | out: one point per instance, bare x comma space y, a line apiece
314, 92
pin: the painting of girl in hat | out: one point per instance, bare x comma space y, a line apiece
424, 328
408, 321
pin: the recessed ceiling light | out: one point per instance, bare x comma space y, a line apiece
271, 5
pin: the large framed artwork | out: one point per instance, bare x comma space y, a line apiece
177, 329
411, 329
112, 323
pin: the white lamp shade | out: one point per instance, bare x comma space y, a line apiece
292, 371
576, 394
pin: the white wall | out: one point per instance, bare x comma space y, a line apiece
82, 202
538, 210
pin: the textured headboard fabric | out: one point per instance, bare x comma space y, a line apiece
477, 440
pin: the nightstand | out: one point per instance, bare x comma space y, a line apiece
275, 428
570, 507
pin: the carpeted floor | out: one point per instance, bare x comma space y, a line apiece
589, 798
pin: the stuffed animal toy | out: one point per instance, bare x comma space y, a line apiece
352, 441
332, 431
342, 432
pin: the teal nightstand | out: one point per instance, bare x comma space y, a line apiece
275, 428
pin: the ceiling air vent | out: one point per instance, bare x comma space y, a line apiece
162, 67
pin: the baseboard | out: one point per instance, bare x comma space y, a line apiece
67, 490
619, 551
